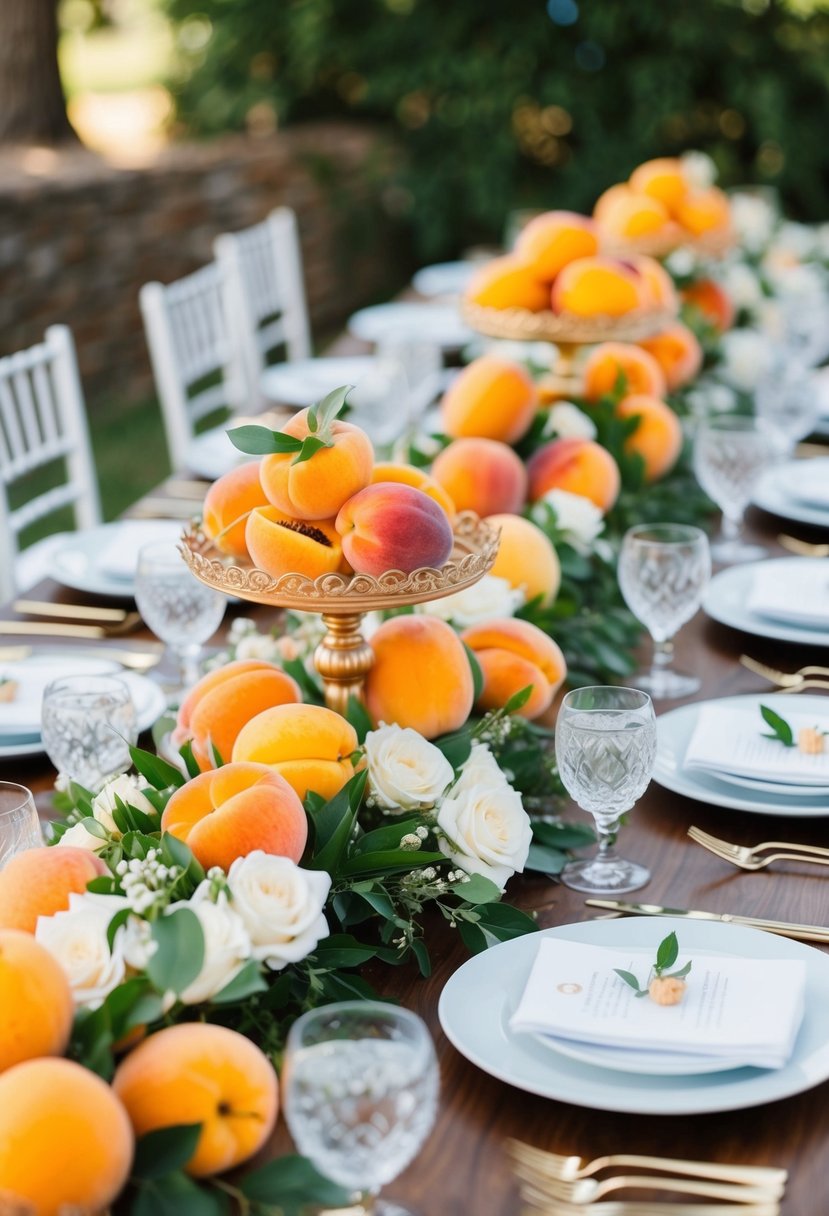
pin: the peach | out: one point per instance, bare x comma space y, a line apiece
408, 475
38, 882
227, 505
507, 282
606, 363
36, 1008
66, 1143
281, 545
481, 475
200, 1073
580, 466
210, 681
657, 438
553, 239
610, 199
421, 676
317, 488
658, 284
234, 811
631, 215
712, 301
663, 179
526, 558
598, 287
311, 747
677, 352
513, 654
490, 399
704, 211
389, 526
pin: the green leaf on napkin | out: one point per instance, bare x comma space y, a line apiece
782, 731
667, 953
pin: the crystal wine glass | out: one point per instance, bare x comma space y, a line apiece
731, 453
787, 400
605, 749
179, 609
19, 824
88, 724
663, 572
360, 1087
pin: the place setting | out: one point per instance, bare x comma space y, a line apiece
797, 490
784, 598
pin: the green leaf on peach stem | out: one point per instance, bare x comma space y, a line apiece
262, 441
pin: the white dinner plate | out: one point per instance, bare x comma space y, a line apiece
307, 381
641, 1063
437, 323
673, 733
478, 1000
783, 788
444, 278
211, 454
77, 562
727, 594
772, 494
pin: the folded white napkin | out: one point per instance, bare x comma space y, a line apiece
729, 740
119, 557
743, 1011
20, 718
811, 485
799, 596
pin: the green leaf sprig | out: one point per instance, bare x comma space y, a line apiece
780, 727
666, 955
262, 441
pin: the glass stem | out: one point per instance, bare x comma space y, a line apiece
607, 834
187, 658
731, 526
663, 653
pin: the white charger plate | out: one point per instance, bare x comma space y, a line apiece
727, 594
772, 495
673, 734
306, 381
783, 788
437, 323
444, 278
77, 561
478, 1000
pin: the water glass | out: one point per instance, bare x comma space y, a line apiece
360, 1087
88, 724
787, 400
379, 402
19, 824
731, 453
663, 572
422, 364
606, 750
179, 609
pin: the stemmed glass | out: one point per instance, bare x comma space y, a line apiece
360, 1087
379, 402
788, 402
422, 363
88, 724
663, 572
19, 824
606, 750
179, 609
731, 453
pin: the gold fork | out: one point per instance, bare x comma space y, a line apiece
758, 856
803, 548
541, 1205
587, 1190
786, 679
571, 1168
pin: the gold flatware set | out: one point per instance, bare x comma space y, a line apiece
803, 548
761, 855
811, 676
805, 933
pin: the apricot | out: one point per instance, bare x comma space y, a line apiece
36, 1007
677, 352
658, 284
317, 488
201, 1073
631, 215
421, 676
389, 526
408, 475
514, 654
281, 545
704, 211
490, 399
663, 179
66, 1144
311, 747
526, 558
230, 671
609, 199
598, 287
712, 301
657, 438
234, 811
38, 882
481, 475
606, 363
507, 282
227, 505
580, 466
550, 241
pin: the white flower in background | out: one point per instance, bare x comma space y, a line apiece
536, 354
77, 938
799, 241
681, 262
405, 771
77, 837
753, 221
801, 283
281, 906
490, 597
487, 831
479, 767
128, 790
569, 422
746, 357
577, 518
699, 169
742, 285
822, 241
259, 646
241, 628
711, 398
226, 943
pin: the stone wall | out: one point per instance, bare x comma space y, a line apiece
78, 237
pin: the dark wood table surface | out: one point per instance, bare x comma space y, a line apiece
463, 1169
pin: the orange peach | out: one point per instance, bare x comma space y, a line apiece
507, 282
526, 558
311, 747
579, 466
227, 505
234, 811
704, 211
66, 1143
281, 545
36, 1008
596, 287
658, 284
490, 399
677, 352
663, 179
657, 438
481, 475
513, 655
212, 680
317, 488
389, 526
631, 215
606, 363
421, 676
201, 1073
553, 239
408, 475
38, 882
712, 301
609, 199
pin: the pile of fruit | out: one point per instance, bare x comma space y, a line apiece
659, 201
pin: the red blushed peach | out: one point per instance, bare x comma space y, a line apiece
514, 655
482, 475
598, 287
712, 301
389, 526
317, 488
677, 352
579, 466
552, 240
227, 505
39, 881
408, 475
657, 438
490, 399
508, 283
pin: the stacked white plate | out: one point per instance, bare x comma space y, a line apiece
103, 560
408, 321
785, 598
797, 490
444, 278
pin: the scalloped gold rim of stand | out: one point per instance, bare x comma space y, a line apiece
660, 244
519, 324
475, 549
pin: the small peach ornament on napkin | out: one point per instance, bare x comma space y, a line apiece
662, 988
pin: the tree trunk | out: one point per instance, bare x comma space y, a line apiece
32, 104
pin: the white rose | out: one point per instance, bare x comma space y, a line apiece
569, 422
753, 221
490, 597
128, 790
281, 906
537, 354
681, 262
487, 831
480, 766
77, 938
77, 837
798, 240
226, 944
405, 771
746, 357
258, 646
742, 285
579, 519
699, 169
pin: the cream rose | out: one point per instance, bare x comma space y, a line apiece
569, 422
577, 518
281, 906
405, 771
77, 837
699, 169
486, 830
490, 597
125, 789
746, 357
77, 938
479, 767
226, 944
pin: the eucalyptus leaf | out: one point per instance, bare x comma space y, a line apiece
179, 953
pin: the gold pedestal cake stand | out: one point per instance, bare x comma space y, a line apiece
343, 658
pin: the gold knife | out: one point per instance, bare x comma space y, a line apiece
51, 629
78, 612
808, 933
